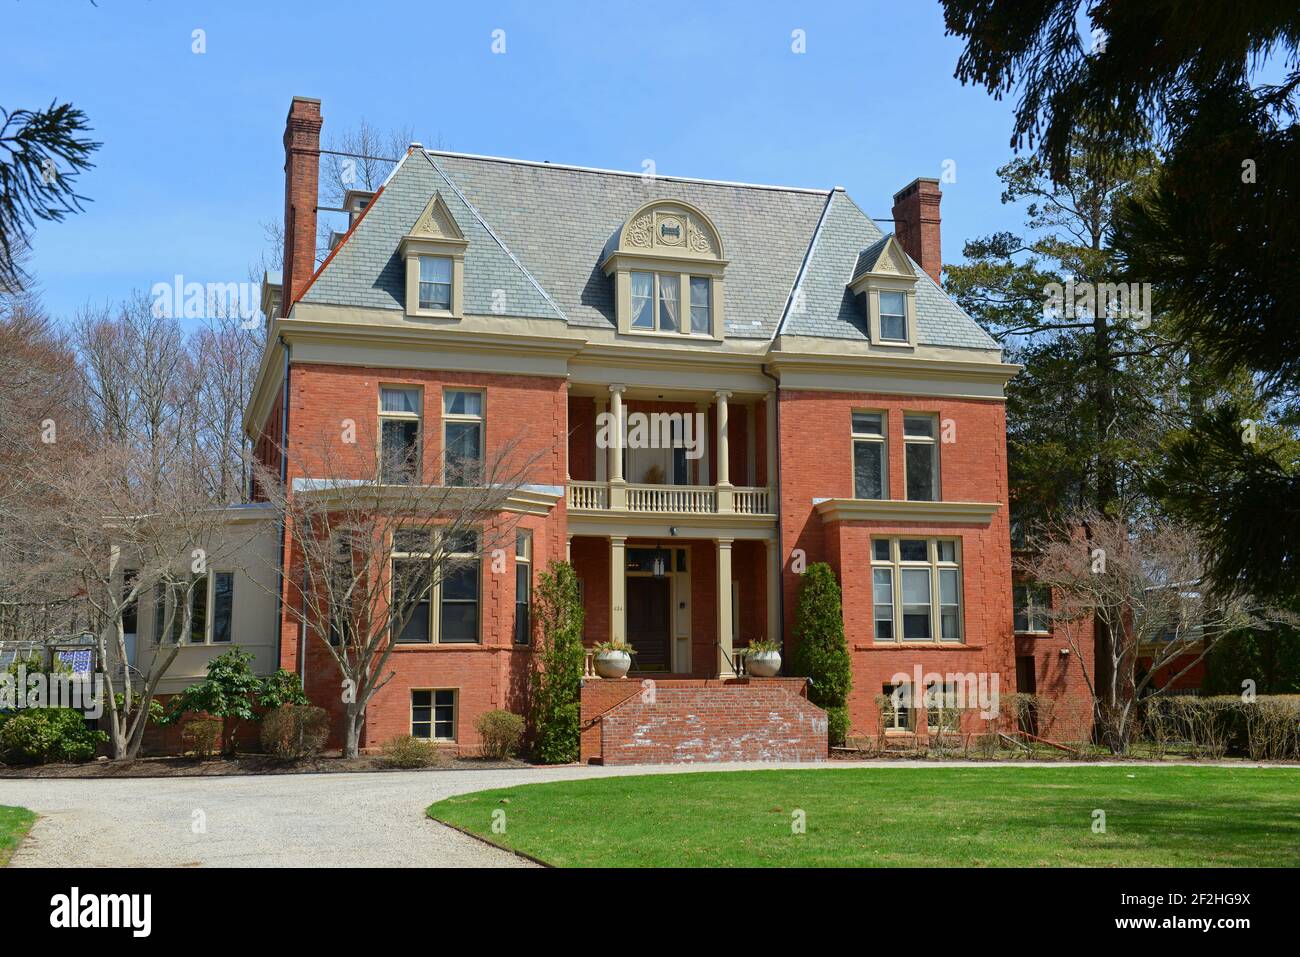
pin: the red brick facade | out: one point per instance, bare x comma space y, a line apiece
816, 463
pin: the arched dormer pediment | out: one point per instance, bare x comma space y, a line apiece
666, 262
668, 228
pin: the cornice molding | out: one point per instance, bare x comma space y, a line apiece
892, 511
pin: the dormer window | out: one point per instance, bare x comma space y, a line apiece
434, 253
667, 268
435, 282
893, 316
884, 280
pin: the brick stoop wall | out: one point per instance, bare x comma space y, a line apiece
701, 721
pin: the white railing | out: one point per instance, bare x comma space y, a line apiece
688, 499
753, 501
674, 499
593, 495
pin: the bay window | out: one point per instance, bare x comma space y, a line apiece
916, 589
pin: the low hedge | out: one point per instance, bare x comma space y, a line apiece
41, 735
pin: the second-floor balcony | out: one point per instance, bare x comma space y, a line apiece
670, 499
675, 453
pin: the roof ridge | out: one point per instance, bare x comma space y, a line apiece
499, 241
803, 266
543, 164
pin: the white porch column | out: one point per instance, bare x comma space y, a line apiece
726, 497
751, 447
602, 461
617, 484
774, 623
769, 409
703, 409
617, 589
725, 653
568, 548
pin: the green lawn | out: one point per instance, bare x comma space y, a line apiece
15, 822
886, 817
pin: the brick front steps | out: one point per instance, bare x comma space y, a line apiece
688, 720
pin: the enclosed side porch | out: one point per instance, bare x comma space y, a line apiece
661, 594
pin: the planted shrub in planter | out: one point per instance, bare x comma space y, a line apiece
202, 736
47, 734
501, 732
613, 658
763, 660
295, 731
405, 751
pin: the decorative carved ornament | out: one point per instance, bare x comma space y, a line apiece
671, 229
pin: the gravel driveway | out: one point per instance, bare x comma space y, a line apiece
291, 820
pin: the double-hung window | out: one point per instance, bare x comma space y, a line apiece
433, 715
411, 600
399, 435
916, 589
701, 306
435, 282
941, 714
870, 456
223, 606
459, 613
893, 316
1033, 605
523, 587
897, 711
462, 437
921, 457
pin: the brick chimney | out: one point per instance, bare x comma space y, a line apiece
301, 182
916, 223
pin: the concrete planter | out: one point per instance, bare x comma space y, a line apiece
764, 664
613, 664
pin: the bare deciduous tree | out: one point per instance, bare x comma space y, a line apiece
1146, 582
368, 552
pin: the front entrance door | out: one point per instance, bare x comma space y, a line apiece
648, 608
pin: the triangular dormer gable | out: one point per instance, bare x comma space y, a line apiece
436, 222
882, 259
884, 280
435, 241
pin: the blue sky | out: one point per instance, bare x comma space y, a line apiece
191, 162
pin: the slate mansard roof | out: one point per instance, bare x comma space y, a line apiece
537, 233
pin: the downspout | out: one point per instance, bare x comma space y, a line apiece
284, 527
776, 494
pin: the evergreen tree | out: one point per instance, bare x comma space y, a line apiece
822, 653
